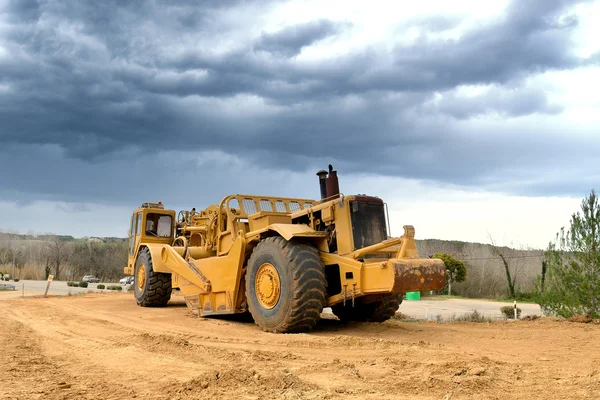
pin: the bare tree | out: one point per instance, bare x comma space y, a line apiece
59, 255
511, 278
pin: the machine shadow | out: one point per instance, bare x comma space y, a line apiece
325, 324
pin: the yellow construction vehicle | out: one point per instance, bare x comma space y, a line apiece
281, 259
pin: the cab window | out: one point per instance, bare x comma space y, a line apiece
158, 225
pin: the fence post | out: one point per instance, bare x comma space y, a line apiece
50, 277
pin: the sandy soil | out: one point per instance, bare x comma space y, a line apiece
102, 346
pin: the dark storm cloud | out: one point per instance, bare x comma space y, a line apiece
507, 102
113, 83
291, 40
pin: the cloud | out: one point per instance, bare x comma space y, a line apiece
101, 100
290, 40
469, 102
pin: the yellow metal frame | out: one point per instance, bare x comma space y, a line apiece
208, 261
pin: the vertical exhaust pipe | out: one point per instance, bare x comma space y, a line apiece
322, 174
333, 186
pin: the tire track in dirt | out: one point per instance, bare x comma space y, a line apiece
107, 347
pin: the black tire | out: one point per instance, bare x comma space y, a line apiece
156, 290
378, 311
387, 308
302, 294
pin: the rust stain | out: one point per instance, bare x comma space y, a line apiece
415, 275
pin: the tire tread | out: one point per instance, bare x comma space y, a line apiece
159, 286
309, 286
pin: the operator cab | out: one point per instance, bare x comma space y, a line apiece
150, 223
367, 218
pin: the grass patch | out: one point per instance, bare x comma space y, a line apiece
441, 297
510, 300
474, 316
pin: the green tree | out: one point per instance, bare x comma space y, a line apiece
455, 269
572, 284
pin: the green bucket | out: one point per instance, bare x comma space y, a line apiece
413, 296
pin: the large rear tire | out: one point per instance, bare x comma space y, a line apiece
387, 308
285, 286
151, 289
378, 311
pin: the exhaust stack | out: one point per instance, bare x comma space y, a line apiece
329, 185
322, 174
333, 186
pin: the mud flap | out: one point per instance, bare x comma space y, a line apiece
418, 275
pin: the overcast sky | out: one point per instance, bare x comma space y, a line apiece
469, 118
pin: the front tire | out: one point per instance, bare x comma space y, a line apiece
285, 286
151, 289
378, 311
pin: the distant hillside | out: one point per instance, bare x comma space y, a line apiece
8, 236
485, 272
486, 275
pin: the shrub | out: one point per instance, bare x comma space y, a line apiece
571, 285
509, 312
16, 279
100, 286
115, 287
455, 269
474, 316
74, 284
83, 284
69, 283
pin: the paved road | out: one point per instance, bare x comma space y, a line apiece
59, 288
430, 309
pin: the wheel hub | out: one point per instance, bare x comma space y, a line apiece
268, 286
141, 277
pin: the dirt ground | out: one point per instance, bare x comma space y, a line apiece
102, 346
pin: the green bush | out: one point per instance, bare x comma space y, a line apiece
69, 283
16, 279
509, 312
100, 286
115, 287
83, 284
474, 316
74, 284
571, 284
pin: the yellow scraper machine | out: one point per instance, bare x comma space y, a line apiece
281, 259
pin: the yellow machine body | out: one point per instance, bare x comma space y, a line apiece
206, 253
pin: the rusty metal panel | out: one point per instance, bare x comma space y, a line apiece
417, 275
